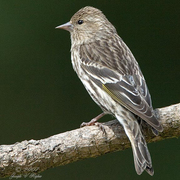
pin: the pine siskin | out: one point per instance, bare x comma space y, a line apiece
112, 77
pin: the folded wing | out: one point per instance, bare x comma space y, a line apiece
126, 86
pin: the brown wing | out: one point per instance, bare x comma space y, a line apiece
115, 70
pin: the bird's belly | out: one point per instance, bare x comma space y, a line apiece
100, 97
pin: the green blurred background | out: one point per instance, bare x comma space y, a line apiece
40, 94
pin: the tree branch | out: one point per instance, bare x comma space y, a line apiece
35, 156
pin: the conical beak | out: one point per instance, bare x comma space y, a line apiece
67, 26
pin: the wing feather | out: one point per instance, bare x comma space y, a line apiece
120, 77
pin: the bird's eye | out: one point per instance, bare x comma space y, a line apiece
80, 22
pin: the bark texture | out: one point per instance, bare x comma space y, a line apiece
35, 156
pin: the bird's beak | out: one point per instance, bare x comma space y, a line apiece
67, 26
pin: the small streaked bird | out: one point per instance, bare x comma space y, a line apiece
112, 77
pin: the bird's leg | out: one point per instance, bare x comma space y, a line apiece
93, 121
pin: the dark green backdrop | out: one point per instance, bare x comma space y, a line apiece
40, 95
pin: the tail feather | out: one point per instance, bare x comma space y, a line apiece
142, 158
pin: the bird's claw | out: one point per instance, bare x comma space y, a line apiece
84, 124
92, 123
102, 128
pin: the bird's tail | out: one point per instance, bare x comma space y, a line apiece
142, 158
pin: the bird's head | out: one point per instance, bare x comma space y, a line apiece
87, 25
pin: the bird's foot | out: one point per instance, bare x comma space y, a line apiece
90, 123
94, 122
